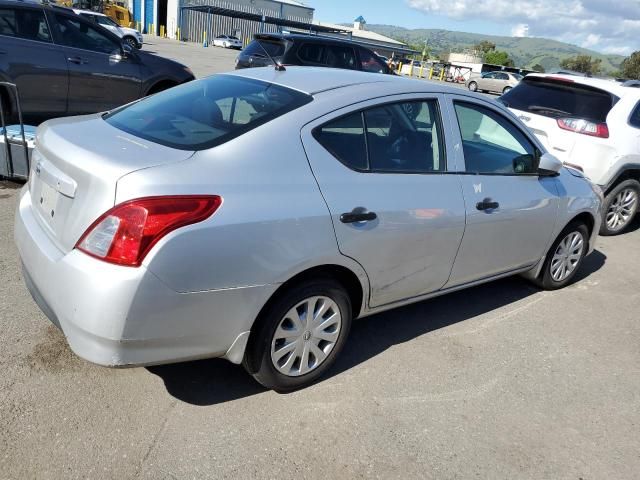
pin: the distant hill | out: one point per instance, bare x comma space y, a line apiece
525, 51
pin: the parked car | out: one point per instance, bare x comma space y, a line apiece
498, 82
130, 36
227, 41
309, 50
159, 233
64, 64
592, 124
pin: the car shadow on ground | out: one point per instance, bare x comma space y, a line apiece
214, 381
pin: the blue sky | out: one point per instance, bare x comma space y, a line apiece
609, 26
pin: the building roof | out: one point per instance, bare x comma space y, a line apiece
295, 3
362, 34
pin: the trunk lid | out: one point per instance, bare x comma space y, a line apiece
557, 141
75, 167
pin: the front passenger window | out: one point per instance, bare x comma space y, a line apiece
78, 34
492, 144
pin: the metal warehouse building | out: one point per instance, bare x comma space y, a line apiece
178, 18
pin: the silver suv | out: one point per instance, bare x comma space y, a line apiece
254, 215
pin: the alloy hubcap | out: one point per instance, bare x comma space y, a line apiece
305, 336
567, 256
622, 209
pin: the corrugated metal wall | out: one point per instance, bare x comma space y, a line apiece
195, 23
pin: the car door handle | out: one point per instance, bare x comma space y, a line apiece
487, 204
78, 60
356, 216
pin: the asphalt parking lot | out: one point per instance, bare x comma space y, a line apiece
499, 381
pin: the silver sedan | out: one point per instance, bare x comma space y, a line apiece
497, 82
254, 215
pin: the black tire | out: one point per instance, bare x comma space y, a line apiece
610, 202
506, 89
257, 360
132, 42
473, 86
545, 280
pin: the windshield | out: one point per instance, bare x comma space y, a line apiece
559, 98
205, 113
517, 76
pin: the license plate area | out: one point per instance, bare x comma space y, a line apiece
47, 201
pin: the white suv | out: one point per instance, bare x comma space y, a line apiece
130, 36
592, 125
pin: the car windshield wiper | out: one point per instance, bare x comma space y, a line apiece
539, 108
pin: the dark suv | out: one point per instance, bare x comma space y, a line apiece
309, 50
64, 64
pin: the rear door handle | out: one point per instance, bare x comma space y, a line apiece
78, 60
356, 216
487, 204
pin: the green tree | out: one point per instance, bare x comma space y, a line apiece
583, 64
484, 46
538, 68
631, 66
496, 57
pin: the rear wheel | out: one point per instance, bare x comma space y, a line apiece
506, 89
620, 206
299, 336
473, 86
565, 257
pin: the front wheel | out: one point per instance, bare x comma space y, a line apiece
132, 42
473, 86
564, 257
620, 206
299, 336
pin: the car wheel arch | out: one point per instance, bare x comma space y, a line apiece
345, 276
161, 85
626, 172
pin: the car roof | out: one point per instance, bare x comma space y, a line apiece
307, 38
313, 80
610, 86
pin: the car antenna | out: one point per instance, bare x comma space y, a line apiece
279, 66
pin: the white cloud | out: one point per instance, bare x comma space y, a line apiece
520, 30
600, 25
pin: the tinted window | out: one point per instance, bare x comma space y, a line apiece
206, 113
492, 144
489, 75
78, 34
341, 57
634, 120
275, 48
311, 53
400, 137
502, 76
369, 63
22, 23
105, 21
344, 139
553, 98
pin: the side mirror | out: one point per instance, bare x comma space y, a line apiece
549, 165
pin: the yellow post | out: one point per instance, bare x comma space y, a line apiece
204, 38
400, 68
442, 74
430, 73
178, 34
411, 71
162, 31
421, 70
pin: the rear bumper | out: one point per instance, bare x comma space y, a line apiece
121, 316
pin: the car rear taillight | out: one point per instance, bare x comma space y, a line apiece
585, 127
125, 234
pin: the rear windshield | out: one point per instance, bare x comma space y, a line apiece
557, 98
205, 113
274, 47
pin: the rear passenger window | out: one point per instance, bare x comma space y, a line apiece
341, 57
311, 53
492, 144
24, 23
344, 139
634, 120
394, 138
369, 63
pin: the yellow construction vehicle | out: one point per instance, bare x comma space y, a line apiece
114, 9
